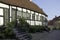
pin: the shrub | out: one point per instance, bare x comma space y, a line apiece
23, 25
7, 31
32, 29
37, 28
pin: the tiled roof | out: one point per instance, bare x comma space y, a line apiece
51, 22
24, 4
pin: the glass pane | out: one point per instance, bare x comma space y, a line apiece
6, 15
33, 16
19, 14
13, 14
41, 18
1, 20
36, 17
28, 16
1, 11
25, 15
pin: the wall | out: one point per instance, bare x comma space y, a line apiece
12, 13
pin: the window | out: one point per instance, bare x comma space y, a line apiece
24, 15
6, 16
13, 14
1, 20
19, 14
6, 11
41, 18
36, 17
45, 19
33, 16
28, 16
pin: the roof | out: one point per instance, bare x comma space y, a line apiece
57, 18
51, 22
24, 4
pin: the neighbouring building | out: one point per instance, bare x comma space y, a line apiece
54, 23
11, 10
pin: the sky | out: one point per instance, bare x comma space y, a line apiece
50, 7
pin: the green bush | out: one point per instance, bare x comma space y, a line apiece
23, 25
36, 28
32, 29
8, 31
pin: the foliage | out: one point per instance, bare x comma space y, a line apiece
37, 28
23, 25
7, 31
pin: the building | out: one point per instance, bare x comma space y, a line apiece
54, 23
11, 10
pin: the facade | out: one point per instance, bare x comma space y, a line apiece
55, 23
11, 10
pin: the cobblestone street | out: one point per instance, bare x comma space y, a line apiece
53, 35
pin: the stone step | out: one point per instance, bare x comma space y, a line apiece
21, 35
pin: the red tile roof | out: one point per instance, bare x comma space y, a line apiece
25, 4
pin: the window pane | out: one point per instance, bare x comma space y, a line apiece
1, 20
33, 16
28, 16
41, 18
24, 15
1, 11
13, 14
36, 17
6, 15
19, 14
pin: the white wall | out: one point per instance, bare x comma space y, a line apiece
20, 9
32, 22
38, 23
28, 11
28, 21
1, 11
24, 10
4, 5
32, 12
13, 7
1, 20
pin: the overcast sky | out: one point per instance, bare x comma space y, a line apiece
50, 7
